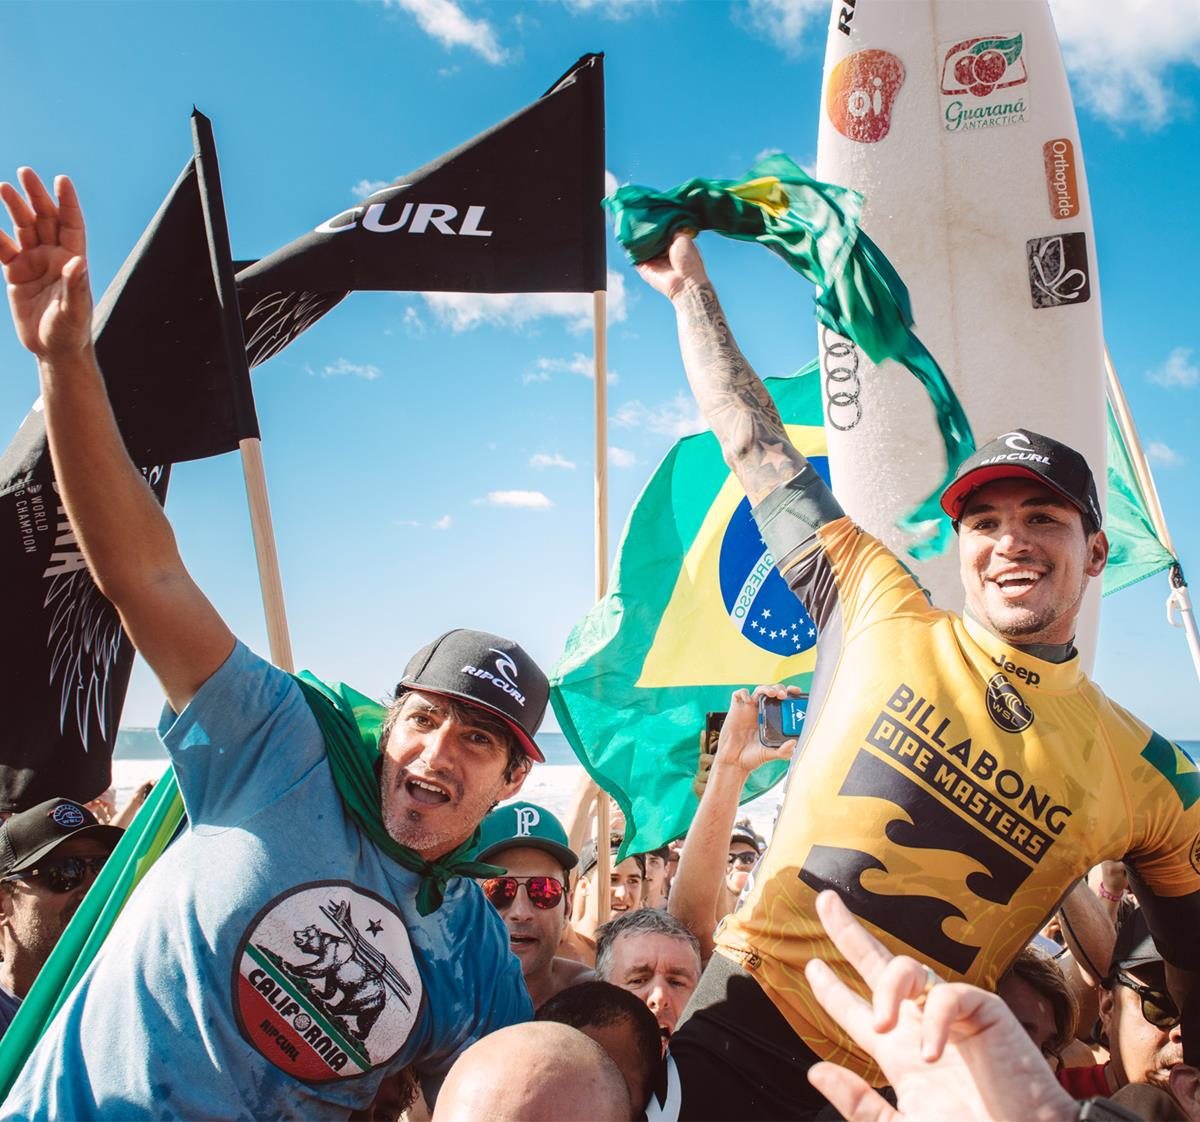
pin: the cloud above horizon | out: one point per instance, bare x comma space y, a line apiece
525, 500
464, 311
675, 418
445, 21
343, 367
1177, 371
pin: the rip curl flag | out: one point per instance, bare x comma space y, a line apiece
814, 228
695, 610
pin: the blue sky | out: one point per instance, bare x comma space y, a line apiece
429, 458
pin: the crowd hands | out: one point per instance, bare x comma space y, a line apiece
1083, 1013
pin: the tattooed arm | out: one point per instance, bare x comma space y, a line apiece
730, 394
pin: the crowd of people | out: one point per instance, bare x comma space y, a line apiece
345, 932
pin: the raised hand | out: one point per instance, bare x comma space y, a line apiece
739, 746
46, 268
670, 271
949, 1050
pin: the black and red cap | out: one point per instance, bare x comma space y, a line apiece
485, 670
1030, 455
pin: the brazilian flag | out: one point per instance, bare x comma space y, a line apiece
695, 610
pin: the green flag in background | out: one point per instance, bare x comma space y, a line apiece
695, 609
814, 228
1135, 551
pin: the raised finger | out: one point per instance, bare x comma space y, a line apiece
43, 205
957, 1008
8, 248
70, 216
772, 690
855, 1100
23, 219
858, 946
902, 979
841, 1003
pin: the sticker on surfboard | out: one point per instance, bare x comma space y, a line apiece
861, 93
984, 82
1058, 270
325, 985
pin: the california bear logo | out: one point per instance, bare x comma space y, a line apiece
325, 982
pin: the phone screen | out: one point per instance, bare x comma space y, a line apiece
780, 720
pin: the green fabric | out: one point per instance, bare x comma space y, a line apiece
641, 742
350, 723
814, 228
147, 836
1134, 549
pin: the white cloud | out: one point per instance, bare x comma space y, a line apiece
446, 22
1120, 55
407, 522
367, 187
443, 523
1159, 453
1178, 370
610, 182
621, 457
343, 366
675, 418
463, 311
527, 500
580, 364
546, 460
611, 9
784, 22
413, 323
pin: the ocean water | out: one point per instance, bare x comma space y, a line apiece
140, 756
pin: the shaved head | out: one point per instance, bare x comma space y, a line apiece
536, 1072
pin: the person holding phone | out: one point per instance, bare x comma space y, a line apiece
955, 775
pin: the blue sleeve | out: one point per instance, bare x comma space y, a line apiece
243, 741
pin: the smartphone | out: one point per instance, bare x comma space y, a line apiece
780, 720
713, 723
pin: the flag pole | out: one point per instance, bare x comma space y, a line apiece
269, 579
600, 398
1180, 599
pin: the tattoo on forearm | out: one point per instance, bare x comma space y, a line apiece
732, 397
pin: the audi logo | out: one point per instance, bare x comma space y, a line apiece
839, 361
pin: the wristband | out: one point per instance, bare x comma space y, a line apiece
1115, 897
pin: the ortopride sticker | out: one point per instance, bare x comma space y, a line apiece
325, 984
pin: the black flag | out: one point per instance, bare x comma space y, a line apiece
162, 341
516, 209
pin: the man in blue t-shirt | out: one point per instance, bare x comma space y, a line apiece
301, 941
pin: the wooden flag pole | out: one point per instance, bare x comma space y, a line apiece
1180, 599
600, 397
268, 559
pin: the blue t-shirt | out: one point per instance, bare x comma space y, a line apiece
272, 964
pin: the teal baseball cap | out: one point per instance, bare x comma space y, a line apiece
524, 824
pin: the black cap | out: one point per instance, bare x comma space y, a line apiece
27, 837
488, 671
744, 832
1135, 945
1025, 454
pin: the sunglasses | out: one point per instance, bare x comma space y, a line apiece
1158, 1008
746, 859
544, 892
64, 875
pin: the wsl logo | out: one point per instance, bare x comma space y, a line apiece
757, 598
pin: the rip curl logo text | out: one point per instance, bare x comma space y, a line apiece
504, 678
412, 218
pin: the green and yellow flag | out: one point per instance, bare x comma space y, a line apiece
695, 610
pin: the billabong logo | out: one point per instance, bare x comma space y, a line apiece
861, 92
67, 815
1059, 158
1058, 270
505, 677
527, 819
1007, 708
325, 985
757, 598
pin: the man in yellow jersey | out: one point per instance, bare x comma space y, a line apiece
957, 775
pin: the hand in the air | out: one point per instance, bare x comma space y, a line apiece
670, 271
46, 268
739, 745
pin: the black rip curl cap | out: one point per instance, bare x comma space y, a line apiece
485, 670
1029, 455
1135, 945
27, 837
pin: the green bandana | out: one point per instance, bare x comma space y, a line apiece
350, 723
814, 228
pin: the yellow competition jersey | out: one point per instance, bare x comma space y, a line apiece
949, 787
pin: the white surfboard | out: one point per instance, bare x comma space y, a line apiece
954, 119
